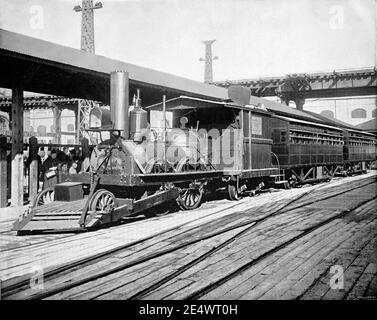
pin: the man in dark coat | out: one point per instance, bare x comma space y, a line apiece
50, 162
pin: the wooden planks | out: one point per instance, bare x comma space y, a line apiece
290, 267
57, 215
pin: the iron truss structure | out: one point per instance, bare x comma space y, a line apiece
338, 83
81, 108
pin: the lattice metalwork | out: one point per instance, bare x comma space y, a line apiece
87, 24
85, 106
208, 72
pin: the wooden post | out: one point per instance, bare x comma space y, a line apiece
3, 172
77, 118
85, 154
164, 132
57, 124
17, 184
33, 169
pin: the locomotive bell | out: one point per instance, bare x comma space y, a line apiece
138, 122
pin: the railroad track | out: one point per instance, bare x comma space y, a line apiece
201, 292
224, 233
33, 244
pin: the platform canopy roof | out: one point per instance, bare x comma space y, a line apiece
49, 68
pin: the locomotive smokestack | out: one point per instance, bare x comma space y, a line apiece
119, 90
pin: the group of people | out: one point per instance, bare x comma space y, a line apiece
66, 160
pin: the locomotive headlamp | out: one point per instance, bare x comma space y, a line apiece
99, 118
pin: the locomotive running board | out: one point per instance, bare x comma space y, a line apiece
65, 216
54, 216
131, 208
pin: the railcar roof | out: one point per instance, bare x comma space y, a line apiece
370, 125
256, 104
341, 124
283, 110
308, 122
333, 122
186, 102
363, 132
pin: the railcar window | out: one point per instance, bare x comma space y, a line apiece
358, 141
323, 137
256, 125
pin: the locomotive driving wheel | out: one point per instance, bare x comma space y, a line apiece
191, 197
233, 192
103, 200
44, 197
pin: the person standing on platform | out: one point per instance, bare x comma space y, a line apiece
42, 154
49, 177
51, 161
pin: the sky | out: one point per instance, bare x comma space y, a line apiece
254, 38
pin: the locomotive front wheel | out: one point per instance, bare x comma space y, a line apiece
103, 200
44, 197
190, 198
233, 193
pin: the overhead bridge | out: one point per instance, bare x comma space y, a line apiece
298, 87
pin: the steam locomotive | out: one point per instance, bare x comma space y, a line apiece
177, 149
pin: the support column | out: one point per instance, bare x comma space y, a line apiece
299, 101
57, 124
3, 172
85, 155
33, 169
77, 122
17, 174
